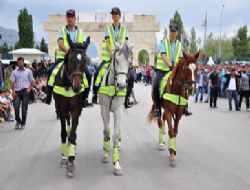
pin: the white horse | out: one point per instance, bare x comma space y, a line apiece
116, 77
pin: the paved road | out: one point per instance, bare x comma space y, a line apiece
213, 151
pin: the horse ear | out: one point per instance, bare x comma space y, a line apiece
197, 55
184, 55
87, 42
130, 45
118, 46
71, 44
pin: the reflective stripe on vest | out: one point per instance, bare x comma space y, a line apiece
69, 93
78, 38
120, 39
163, 83
54, 73
110, 91
161, 65
101, 74
176, 99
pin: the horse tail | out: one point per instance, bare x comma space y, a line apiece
150, 116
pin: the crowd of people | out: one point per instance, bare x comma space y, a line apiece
38, 91
226, 81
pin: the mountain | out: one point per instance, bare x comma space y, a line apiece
8, 36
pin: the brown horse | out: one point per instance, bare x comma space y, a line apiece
182, 77
68, 94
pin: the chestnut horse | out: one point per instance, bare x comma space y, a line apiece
181, 79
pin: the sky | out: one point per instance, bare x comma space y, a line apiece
235, 14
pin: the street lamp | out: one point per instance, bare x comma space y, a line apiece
223, 6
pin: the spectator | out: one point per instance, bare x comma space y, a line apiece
232, 87
1, 75
6, 105
202, 83
22, 82
214, 88
244, 89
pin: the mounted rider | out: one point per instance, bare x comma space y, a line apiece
76, 35
113, 33
168, 57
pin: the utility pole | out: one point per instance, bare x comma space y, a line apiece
205, 32
223, 6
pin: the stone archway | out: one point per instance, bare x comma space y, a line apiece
142, 31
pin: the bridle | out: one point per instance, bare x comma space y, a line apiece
79, 62
185, 84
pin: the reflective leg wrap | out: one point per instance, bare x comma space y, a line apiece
172, 143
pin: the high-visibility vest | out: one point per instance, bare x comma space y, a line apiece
77, 39
111, 91
161, 65
62, 90
120, 39
176, 99
163, 83
101, 74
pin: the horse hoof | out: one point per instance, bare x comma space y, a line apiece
161, 147
105, 158
118, 172
70, 169
63, 163
172, 160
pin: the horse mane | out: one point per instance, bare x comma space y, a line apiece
177, 69
65, 81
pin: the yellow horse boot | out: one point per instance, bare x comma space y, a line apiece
116, 161
71, 156
172, 150
64, 153
162, 138
106, 150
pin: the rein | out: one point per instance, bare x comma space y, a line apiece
184, 84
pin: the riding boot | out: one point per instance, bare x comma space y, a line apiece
187, 111
95, 91
49, 95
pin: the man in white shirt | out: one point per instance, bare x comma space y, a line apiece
232, 87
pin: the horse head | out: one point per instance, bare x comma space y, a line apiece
190, 67
123, 58
75, 63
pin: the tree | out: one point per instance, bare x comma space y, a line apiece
177, 20
143, 57
241, 43
213, 44
4, 50
25, 27
43, 46
193, 46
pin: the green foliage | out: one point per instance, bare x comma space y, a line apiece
25, 27
143, 57
212, 45
43, 46
241, 44
177, 20
193, 46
